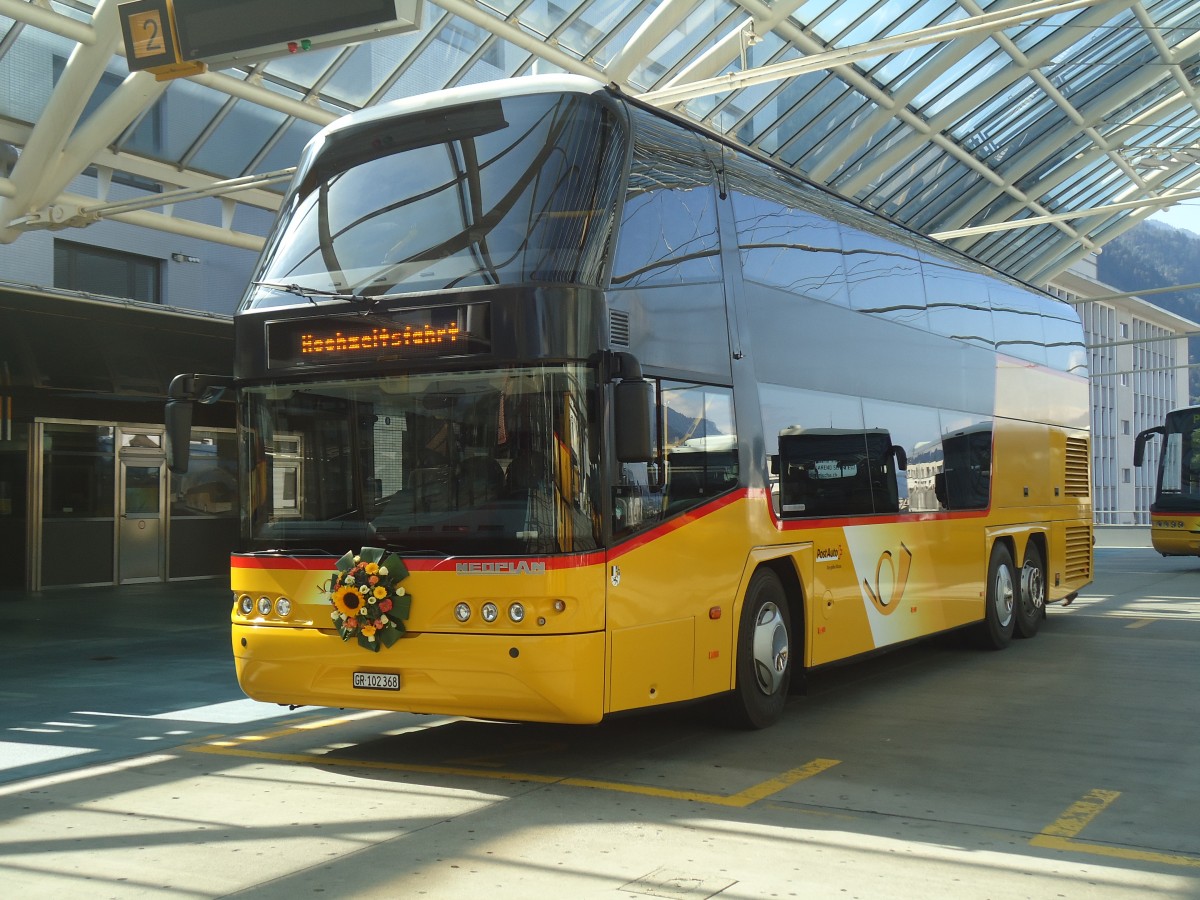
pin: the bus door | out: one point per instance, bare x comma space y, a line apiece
674, 567
141, 535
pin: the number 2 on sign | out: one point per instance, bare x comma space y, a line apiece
148, 26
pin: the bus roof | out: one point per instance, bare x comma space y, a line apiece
472, 93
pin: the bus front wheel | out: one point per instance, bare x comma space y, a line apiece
999, 615
764, 666
1031, 604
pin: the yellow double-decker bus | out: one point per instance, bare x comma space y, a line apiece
554, 406
1175, 510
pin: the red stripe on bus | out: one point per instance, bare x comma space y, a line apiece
418, 564
679, 521
845, 521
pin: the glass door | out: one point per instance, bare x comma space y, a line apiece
141, 534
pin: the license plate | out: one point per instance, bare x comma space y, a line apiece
377, 681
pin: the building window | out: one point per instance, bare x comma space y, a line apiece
1125, 426
1126, 477
1124, 329
96, 270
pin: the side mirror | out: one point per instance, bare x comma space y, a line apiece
901, 457
184, 390
178, 418
633, 420
1143, 438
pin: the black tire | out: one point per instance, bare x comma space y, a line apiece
1031, 604
764, 665
1000, 614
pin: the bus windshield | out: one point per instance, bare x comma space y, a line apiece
510, 191
447, 464
1179, 470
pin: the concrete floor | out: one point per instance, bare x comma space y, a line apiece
1063, 766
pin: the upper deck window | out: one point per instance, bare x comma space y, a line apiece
501, 192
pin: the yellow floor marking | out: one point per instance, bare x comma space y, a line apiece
1060, 834
1140, 623
741, 799
306, 724
1080, 814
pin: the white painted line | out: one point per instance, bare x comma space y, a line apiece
232, 712
45, 781
14, 755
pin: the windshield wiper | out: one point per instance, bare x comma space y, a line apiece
311, 294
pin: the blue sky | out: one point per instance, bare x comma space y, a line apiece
1181, 215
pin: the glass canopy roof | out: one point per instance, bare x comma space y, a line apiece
1025, 133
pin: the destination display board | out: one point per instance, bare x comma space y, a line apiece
379, 337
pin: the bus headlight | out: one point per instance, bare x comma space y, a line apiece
245, 604
462, 612
283, 607
490, 612
516, 612
264, 606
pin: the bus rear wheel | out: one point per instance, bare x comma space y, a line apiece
1031, 604
764, 666
999, 616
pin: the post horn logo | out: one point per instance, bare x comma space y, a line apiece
896, 573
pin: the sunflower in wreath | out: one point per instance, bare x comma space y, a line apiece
369, 603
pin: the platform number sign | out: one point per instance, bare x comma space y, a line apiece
149, 34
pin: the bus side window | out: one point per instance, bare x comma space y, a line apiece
697, 458
701, 447
966, 478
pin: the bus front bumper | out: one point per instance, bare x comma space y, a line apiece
1171, 542
542, 678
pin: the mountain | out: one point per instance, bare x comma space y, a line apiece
1153, 255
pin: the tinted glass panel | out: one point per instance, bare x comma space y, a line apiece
700, 444
966, 477
505, 192
696, 461
784, 242
884, 277
828, 471
1179, 465
912, 431
209, 487
959, 305
470, 462
668, 232
1017, 321
1064, 344
78, 471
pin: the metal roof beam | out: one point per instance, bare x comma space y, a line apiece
33, 170
899, 152
1153, 204
181, 227
987, 22
252, 91
650, 35
729, 48
514, 34
48, 20
1075, 123
98, 131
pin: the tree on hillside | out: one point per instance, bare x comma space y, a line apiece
1153, 255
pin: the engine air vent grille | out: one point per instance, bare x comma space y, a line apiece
1078, 484
618, 327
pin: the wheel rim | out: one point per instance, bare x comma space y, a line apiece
1003, 594
770, 648
1033, 589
